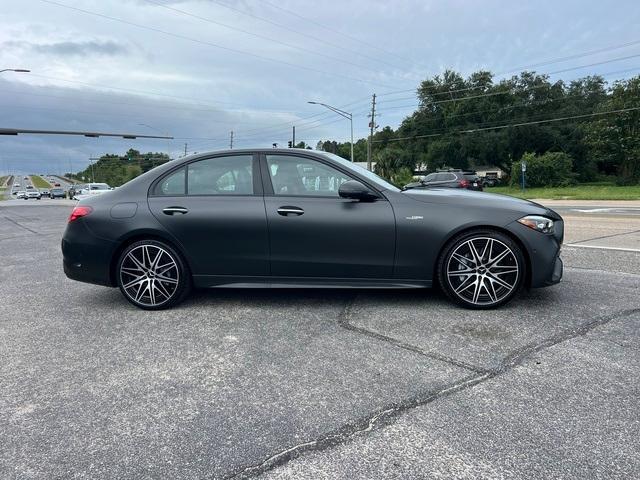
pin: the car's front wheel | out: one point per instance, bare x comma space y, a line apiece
152, 275
481, 269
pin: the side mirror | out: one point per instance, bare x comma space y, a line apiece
356, 191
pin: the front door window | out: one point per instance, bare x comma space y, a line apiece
299, 176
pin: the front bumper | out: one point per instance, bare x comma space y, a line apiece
543, 250
556, 275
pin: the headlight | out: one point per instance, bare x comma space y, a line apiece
541, 224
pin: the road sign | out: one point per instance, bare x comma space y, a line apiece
524, 166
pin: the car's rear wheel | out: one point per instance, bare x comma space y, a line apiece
152, 275
481, 269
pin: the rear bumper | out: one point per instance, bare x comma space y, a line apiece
85, 257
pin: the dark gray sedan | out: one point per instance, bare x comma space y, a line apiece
299, 218
449, 179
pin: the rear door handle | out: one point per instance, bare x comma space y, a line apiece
286, 211
172, 210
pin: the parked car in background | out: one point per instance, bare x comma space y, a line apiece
44, 193
56, 184
34, 193
491, 179
57, 193
449, 179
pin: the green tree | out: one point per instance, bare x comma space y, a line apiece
552, 169
614, 140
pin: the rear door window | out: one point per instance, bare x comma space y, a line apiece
232, 175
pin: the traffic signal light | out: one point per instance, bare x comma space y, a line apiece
290, 144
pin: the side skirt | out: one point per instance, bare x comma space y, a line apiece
226, 281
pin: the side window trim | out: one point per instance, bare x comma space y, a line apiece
267, 185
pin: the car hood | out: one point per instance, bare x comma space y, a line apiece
470, 198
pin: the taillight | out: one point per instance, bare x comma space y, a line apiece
464, 183
79, 211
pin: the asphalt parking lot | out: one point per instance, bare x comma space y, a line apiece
320, 384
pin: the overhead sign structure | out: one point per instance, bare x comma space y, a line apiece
18, 131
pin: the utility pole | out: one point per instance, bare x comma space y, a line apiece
231, 141
293, 142
372, 125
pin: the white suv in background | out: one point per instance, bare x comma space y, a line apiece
91, 189
33, 193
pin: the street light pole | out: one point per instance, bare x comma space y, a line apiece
342, 113
16, 70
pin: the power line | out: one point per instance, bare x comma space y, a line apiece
257, 35
594, 64
543, 63
504, 92
299, 125
572, 57
298, 32
338, 32
210, 44
510, 125
300, 121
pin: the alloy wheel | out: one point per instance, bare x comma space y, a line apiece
149, 275
482, 271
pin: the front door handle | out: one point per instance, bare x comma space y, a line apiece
286, 211
172, 210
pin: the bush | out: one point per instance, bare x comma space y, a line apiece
553, 169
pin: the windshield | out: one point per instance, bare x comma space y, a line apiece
372, 177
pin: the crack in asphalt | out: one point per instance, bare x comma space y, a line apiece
20, 225
344, 323
390, 413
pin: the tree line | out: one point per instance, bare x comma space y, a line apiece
585, 130
119, 169
564, 131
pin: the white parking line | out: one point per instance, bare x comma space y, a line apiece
596, 247
592, 210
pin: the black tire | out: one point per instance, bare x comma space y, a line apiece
178, 279
460, 274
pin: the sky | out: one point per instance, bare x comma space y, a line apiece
199, 69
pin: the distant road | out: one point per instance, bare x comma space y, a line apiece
65, 180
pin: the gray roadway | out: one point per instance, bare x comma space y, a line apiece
316, 384
65, 184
